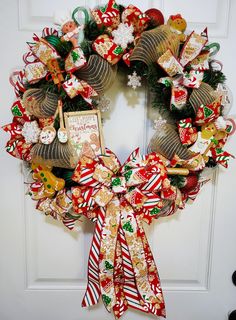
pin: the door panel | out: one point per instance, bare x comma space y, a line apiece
44, 266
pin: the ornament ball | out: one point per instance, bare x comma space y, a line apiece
156, 17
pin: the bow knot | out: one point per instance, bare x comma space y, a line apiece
117, 197
135, 183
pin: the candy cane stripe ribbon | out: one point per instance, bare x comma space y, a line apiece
93, 291
130, 288
121, 268
107, 253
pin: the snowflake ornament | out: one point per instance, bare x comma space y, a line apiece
123, 35
159, 123
134, 80
31, 132
103, 104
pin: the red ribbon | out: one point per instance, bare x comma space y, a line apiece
16, 146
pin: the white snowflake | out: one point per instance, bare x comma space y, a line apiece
159, 124
134, 80
103, 103
123, 35
31, 132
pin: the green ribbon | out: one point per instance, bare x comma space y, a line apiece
215, 48
62, 47
80, 21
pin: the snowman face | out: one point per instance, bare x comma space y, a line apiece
47, 135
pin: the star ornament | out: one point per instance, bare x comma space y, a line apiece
123, 35
134, 80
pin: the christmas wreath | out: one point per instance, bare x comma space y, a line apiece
67, 70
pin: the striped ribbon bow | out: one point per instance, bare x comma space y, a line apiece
121, 268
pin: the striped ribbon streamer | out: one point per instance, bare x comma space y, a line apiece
93, 291
121, 303
159, 308
140, 264
107, 253
130, 288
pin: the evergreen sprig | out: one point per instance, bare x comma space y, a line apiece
214, 77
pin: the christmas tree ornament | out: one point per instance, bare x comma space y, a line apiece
156, 17
134, 80
187, 133
31, 132
159, 124
123, 35
70, 172
103, 103
189, 183
50, 182
71, 29
178, 25
55, 71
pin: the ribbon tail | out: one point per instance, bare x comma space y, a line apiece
152, 271
130, 288
107, 253
149, 299
93, 291
121, 303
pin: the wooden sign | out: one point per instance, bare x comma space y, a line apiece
85, 132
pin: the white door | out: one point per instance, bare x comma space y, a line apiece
43, 266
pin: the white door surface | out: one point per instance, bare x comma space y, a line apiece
43, 267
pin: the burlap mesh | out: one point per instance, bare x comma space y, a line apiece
55, 154
205, 94
166, 141
153, 43
40, 103
99, 73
